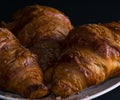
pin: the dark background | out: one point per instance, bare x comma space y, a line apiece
79, 12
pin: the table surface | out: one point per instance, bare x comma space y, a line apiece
79, 12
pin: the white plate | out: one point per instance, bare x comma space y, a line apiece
86, 94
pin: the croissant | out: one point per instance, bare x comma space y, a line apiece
19, 70
92, 55
25, 15
42, 29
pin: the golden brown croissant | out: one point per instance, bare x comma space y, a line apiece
19, 70
41, 29
92, 55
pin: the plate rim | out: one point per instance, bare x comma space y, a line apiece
102, 92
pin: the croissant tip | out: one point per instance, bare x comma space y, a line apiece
60, 88
36, 91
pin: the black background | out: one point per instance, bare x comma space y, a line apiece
79, 12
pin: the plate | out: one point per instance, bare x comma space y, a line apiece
87, 94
